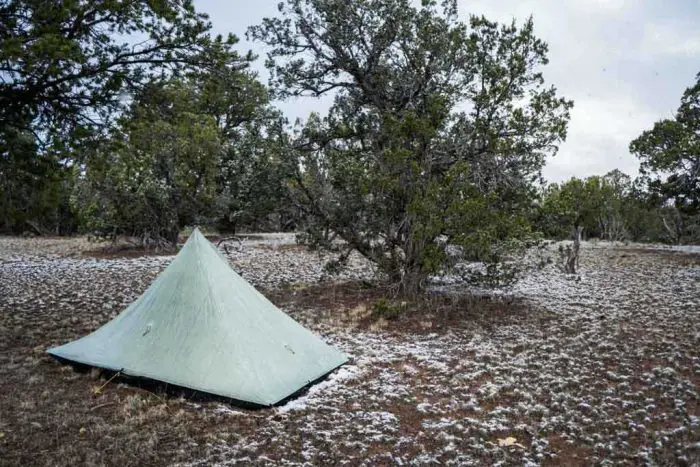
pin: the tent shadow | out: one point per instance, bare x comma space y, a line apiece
164, 390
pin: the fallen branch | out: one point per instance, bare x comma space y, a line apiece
101, 405
227, 239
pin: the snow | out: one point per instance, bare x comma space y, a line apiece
605, 366
326, 386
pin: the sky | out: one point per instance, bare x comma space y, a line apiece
624, 63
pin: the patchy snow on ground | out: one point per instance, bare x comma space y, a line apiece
611, 376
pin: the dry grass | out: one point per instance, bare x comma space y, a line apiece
352, 305
607, 369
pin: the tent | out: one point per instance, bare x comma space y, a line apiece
202, 326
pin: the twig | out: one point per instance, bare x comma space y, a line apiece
153, 394
101, 405
240, 243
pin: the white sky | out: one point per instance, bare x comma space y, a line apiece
625, 64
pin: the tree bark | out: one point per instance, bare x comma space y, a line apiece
572, 260
172, 237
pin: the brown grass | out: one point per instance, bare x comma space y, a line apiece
351, 304
53, 414
50, 414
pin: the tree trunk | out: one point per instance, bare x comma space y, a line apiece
577, 233
675, 232
572, 260
679, 227
413, 277
172, 236
411, 282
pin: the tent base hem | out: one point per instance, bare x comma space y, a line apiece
159, 387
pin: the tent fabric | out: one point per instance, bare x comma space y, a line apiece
202, 326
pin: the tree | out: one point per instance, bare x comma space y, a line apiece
595, 203
253, 175
641, 213
157, 172
610, 207
671, 149
203, 149
399, 162
66, 69
250, 181
34, 188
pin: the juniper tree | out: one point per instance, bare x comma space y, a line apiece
66, 69
438, 129
670, 161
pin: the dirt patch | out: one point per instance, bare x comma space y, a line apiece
356, 304
125, 252
598, 371
568, 453
215, 238
680, 258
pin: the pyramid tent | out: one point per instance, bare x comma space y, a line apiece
202, 326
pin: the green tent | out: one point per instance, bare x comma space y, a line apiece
202, 326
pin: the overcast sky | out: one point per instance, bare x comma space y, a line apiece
624, 63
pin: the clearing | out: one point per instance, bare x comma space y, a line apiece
602, 368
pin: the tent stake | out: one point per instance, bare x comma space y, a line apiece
99, 390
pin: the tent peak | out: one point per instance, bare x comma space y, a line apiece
196, 233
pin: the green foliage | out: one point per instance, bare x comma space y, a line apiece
670, 163
672, 147
34, 188
198, 150
397, 163
610, 207
156, 173
387, 309
64, 66
595, 203
67, 70
252, 178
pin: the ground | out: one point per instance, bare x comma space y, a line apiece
599, 368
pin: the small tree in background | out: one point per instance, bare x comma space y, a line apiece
157, 172
670, 160
195, 150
